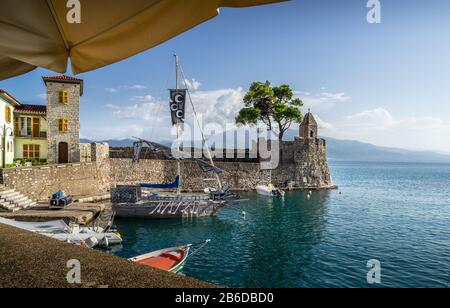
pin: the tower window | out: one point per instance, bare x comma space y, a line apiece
64, 97
311, 134
63, 125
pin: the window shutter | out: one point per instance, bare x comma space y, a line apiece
37, 152
63, 125
63, 97
7, 114
25, 151
36, 127
16, 127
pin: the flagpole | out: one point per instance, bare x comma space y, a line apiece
177, 63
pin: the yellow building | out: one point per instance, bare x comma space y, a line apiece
30, 130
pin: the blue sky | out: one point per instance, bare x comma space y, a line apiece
386, 84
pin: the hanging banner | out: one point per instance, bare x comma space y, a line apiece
137, 147
178, 106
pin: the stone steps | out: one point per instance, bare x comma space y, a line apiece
13, 201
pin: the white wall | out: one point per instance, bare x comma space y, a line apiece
10, 129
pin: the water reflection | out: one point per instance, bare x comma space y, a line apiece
265, 248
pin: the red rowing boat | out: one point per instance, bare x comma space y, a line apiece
171, 259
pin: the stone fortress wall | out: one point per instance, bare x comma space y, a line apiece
303, 165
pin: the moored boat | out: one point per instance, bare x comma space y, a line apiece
74, 234
270, 191
171, 259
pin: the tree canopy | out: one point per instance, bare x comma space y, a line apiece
276, 107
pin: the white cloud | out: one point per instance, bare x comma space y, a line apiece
126, 88
324, 126
118, 131
379, 126
112, 106
43, 96
323, 101
193, 84
111, 90
378, 118
138, 87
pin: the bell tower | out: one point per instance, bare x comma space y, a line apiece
308, 128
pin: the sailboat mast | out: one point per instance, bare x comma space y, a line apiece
177, 84
219, 182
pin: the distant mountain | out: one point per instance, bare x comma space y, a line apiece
344, 150
122, 142
349, 150
113, 143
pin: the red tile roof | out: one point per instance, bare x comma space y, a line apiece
31, 109
64, 79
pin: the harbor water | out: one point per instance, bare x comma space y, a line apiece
398, 214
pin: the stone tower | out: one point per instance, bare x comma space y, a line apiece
63, 118
303, 161
308, 128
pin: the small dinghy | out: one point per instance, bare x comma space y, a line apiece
270, 191
171, 260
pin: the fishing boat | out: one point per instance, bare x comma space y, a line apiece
74, 234
171, 259
269, 191
130, 201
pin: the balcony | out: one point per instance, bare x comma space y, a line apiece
24, 134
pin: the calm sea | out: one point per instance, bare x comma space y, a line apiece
398, 214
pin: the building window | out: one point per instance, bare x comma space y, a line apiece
36, 127
31, 151
7, 114
64, 97
25, 127
63, 125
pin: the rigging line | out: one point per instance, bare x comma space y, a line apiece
199, 126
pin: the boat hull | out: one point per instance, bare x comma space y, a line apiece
172, 259
266, 191
167, 210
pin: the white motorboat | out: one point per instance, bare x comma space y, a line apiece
269, 191
74, 234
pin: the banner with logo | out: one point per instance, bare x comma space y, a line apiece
178, 106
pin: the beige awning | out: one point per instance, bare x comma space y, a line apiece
36, 33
